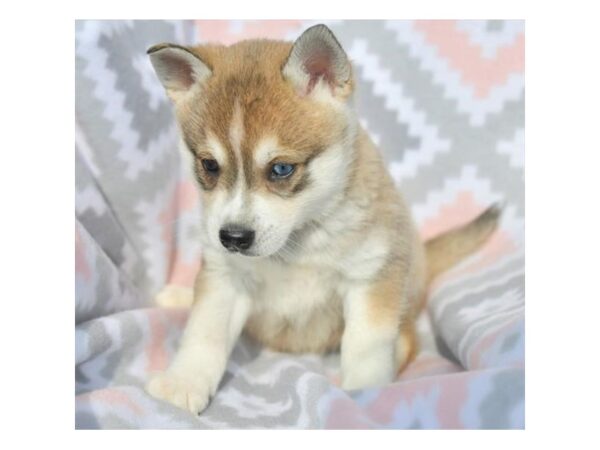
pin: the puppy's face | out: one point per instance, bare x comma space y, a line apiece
269, 130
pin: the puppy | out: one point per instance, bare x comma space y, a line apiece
307, 244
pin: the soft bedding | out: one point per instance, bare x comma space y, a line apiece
444, 100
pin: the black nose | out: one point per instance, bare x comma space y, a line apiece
236, 238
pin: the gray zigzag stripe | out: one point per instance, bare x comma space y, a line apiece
506, 395
279, 393
394, 136
476, 145
495, 290
149, 124
110, 234
124, 193
113, 290
452, 329
473, 282
511, 322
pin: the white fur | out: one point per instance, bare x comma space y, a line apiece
366, 259
236, 130
174, 296
216, 149
285, 293
214, 325
265, 151
368, 352
233, 211
273, 219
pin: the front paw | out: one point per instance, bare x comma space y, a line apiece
187, 392
370, 372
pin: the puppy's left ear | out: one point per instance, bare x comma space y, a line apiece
317, 60
179, 69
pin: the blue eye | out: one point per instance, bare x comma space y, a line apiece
281, 170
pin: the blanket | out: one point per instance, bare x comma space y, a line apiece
443, 100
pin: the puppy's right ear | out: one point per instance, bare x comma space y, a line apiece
179, 69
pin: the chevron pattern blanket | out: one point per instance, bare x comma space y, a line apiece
444, 100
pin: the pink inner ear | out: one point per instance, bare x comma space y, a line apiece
319, 65
180, 70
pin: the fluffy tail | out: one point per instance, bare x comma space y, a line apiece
445, 250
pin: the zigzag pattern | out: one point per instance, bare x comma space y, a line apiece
443, 100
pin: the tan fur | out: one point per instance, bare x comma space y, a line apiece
248, 75
394, 298
321, 332
449, 248
384, 305
407, 346
390, 303
340, 263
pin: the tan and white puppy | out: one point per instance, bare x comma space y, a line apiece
308, 246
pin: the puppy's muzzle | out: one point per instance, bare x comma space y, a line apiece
235, 238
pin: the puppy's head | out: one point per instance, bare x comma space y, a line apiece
270, 131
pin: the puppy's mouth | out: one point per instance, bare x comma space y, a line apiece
249, 254
236, 251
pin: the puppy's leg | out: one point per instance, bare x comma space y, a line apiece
216, 320
407, 346
174, 296
372, 316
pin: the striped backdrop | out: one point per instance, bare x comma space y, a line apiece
444, 100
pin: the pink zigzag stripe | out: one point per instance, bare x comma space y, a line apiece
466, 57
156, 353
81, 263
485, 344
159, 322
112, 397
185, 198
463, 208
183, 272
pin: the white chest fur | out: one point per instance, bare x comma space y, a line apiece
291, 292
294, 307
298, 306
